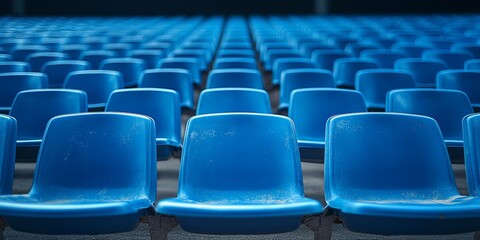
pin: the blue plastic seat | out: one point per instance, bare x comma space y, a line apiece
13, 83
8, 136
98, 84
274, 55
355, 49
375, 83
34, 108
463, 80
73, 51
453, 60
308, 48
224, 63
96, 57
311, 107
5, 57
251, 183
121, 50
236, 45
37, 60
14, 66
244, 53
221, 100
179, 80
242, 78
472, 48
325, 59
283, 64
384, 58
160, 104
57, 71
202, 56
189, 64
471, 140
447, 107
89, 177
473, 64
424, 72
150, 56
302, 78
20, 53
411, 49
345, 69
130, 68
396, 177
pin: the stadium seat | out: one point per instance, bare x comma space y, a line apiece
21, 52
224, 63
345, 69
355, 49
37, 60
470, 139
424, 72
463, 80
14, 66
121, 50
13, 83
234, 77
73, 51
411, 49
98, 84
160, 104
302, 78
375, 83
96, 57
221, 100
251, 183
453, 60
97, 182
200, 55
8, 133
311, 107
227, 53
273, 55
57, 71
473, 64
412, 192
325, 59
5, 57
179, 80
150, 56
472, 48
283, 64
130, 68
384, 58
189, 64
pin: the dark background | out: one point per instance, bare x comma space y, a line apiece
189, 7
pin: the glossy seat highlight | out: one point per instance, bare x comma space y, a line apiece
424, 72
235, 77
220, 100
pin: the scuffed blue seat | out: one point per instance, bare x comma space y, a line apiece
424, 72
302, 78
98, 84
160, 104
57, 71
8, 136
311, 107
179, 80
37, 60
96, 57
224, 63
345, 69
130, 68
220, 100
89, 178
13, 83
14, 66
234, 77
250, 183
396, 177
375, 83
325, 59
453, 60
283, 64
189, 64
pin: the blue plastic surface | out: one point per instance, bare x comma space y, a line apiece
227, 53
463, 80
472, 48
325, 59
89, 178
273, 55
238, 62
221, 100
130, 68
34, 108
424, 72
150, 56
283, 64
453, 60
121, 50
302, 78
411, 49
37, 60
14, 66
235, 77
21, 52
96, 57
8, 137
160, 104
447, 107
57, 71
471, 124
179, 80
200, 55
240, 173
5, 57
345, 70
385, 58
375, 83
73, 51
311, 107
13, 83
473, 64
98, 84
189, 64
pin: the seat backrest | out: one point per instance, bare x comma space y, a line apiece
235, 77
325, 59
58, 70
150, 56
424, 71
248, 155
160, 104
237, 62
107, 155
283, 64
345, 69
385, 58
13, 66
471, 140
96, 57
220, 100
447, 107
311, 107
369, 156
8, 137
189, 64
34, 108
13, 83
453, 60
131, 69
463, 80
473, 64
37, 60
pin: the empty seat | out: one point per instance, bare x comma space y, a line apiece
384, 58
463, 80
34, 108
453, 60
179, 80
220, 100
247, 63
37, 60
471, 140
130, 68
283, 64
8, 136
21, 52
424, 72
325, 59
311, 107
375, 83
57, 71
302, 78
89, 178
14, 66
121, 50
411, 49
189, 64
98, 84
273, 55
13, 83
73, 51
472, 48
150, 56
473, 64
5, 57
228, 53
242, 78
355, 49
200, 55
96, 57
250, 183
447, 107
396, 177
345, 69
